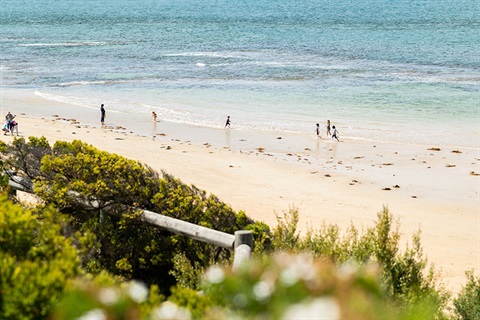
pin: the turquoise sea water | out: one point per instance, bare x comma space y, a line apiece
405, 71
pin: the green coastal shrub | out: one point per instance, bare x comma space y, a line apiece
467, 303
186, 274
408, 279
89, 299
25, 158
196, 303
36, 261
101, 193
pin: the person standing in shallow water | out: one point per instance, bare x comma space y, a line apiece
317, 130
227, 123
328, 128
102, 117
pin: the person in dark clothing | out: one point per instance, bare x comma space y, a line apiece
102, 117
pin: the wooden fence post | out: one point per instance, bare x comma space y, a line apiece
243, 247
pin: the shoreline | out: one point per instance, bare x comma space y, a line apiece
341, 183
134, 115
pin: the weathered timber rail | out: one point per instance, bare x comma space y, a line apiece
241, 243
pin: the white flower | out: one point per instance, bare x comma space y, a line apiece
317, 309
289, 277
262, 291
215, 274
170, 311
347, 269
301, 268
95, 314
108, 296
137, 291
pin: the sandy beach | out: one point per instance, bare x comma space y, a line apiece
432, 188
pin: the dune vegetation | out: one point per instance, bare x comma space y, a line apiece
80, 250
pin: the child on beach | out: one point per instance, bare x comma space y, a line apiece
227, 123
5, 128
317, 130
328, 128
335, 133
154, 115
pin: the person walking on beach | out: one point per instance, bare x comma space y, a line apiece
102, 117
335, 133
154, 115
328, 128
317, 130
227, 123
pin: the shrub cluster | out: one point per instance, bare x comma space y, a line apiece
102, 194
83, 252
36, 261
405, 273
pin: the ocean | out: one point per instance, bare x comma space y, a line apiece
402, 71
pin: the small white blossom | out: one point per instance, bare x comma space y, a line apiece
108, 296
317, 309
262, 291
300, 268
137, 291
303, 263
289, 277
170, 311
215, 274
95, 314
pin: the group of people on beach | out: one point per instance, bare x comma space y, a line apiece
10, 124
331, 131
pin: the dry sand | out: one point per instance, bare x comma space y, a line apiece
343, 183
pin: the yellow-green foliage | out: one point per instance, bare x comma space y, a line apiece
298, 286
102, 192
25, 157
467, 304
127, 300
185, 273
77, 173
36, 262
196, 303
407, 278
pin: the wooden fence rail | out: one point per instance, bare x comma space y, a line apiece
241, 243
